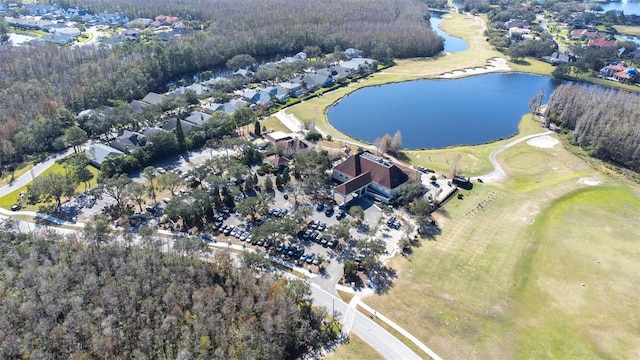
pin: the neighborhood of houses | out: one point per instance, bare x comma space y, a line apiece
585, 33
65, 26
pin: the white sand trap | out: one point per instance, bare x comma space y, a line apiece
495, 64
589, 182
545, 142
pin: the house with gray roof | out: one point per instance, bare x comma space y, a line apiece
352, 53
197, 118
186, 126
314, 81
97, 153
140, 23
292, 89
128, 141
355, 64
153, 98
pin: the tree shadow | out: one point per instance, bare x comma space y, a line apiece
431, 231
382, 279
521, 62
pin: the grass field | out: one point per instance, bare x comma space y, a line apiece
273, 124
627, 30
11, 198
505, 281
355, 349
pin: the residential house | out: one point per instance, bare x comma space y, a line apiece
600, 42
153, 98
168, 35
234, 104
186, 126
313, 82
97, 153
292, 89
59, 39
197, 118
131, 34
559, 58
279, 94
278, 162
139, 23
365, 173
128, 141
213, 107
138, 105
111, 18
150, 131
289, 142
40, 10
517, 31
243, 74
579, 34
516, 23
619, 72
354, 65
66, 30
29, 23
352, 53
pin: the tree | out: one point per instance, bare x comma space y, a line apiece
357, 213
313, 136
182, 146
350, 270
396, 142
52, 186
268, 183
115, 187
536, 101
170, 181
241, 61
98, 231
75, 136
150, 174
136, 192
256, 128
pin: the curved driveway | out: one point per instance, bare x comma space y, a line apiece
498, 174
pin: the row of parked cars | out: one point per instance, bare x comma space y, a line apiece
297, 253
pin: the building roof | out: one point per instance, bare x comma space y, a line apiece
354, 184
276, 136
601, 42
197, 117
153, 98
383, 173
129, 141
97, 153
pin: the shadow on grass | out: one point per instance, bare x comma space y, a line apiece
522, 62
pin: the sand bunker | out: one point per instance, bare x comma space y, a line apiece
545, 142
496, 64
589, 182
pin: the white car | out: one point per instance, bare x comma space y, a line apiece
161, 170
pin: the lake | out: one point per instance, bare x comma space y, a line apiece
629, 7
451, 43
440, 113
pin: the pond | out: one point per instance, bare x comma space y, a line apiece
451, 43
629, 7
440, 113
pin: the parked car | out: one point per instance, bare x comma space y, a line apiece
329, 211
310, 258
161, 170
15, 207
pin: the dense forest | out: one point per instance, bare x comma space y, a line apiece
604, 122
65, 300
47, 85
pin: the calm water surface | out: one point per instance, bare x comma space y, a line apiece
451, 43
440, 113
629, 7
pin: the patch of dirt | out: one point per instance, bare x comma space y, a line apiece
545, 142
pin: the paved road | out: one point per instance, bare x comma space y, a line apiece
373, 334
34, 172
498, 174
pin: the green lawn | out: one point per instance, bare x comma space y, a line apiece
355, 349
504, 281
628, 30
11, 198
273, 124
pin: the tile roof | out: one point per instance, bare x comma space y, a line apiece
354, 184
383, 173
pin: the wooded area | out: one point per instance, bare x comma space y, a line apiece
65, 300
605, 122
47, 85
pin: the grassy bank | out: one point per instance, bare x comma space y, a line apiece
627, 30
